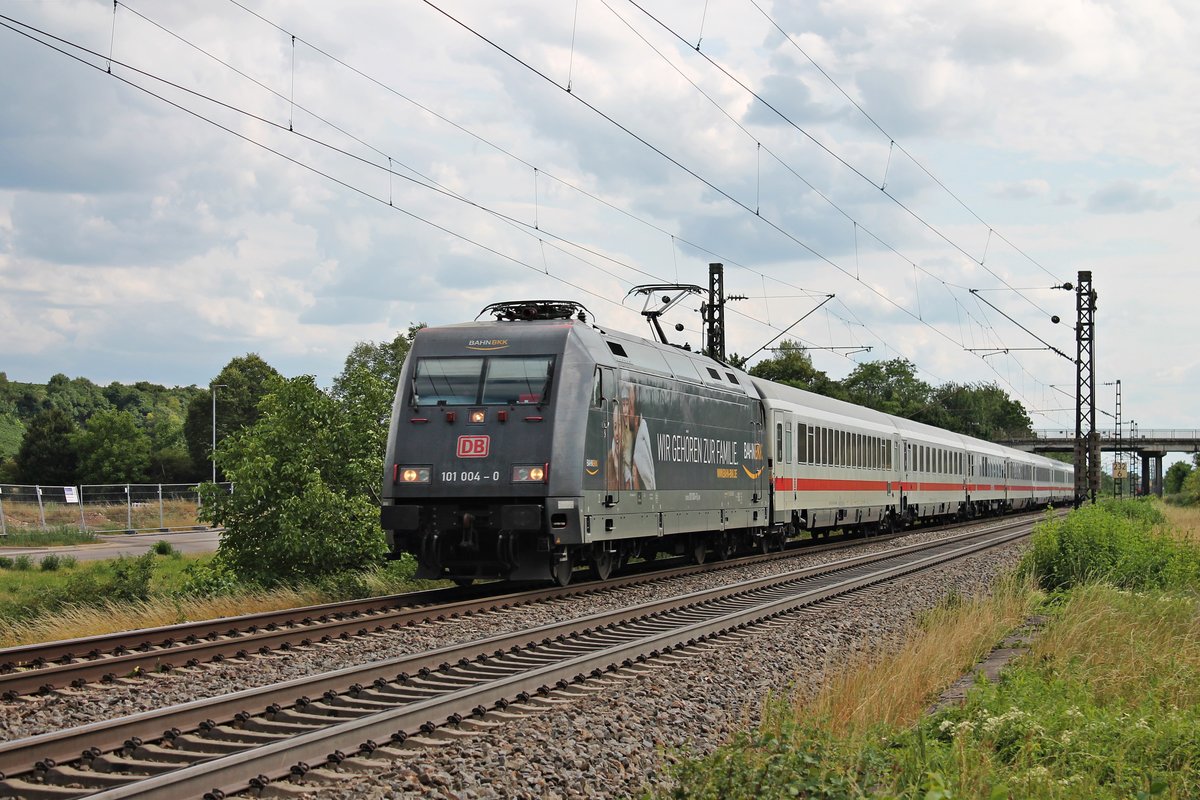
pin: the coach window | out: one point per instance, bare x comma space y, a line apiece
778, 442
801, 443
787, 443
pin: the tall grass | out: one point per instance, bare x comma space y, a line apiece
895, 688
1106, 704
102, 597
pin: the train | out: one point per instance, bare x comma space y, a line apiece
527, 445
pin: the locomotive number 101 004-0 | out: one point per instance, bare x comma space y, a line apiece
469, 476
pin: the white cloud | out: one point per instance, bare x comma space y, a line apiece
137, 242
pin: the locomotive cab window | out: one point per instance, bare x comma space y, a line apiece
482, 381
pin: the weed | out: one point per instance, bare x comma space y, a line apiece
23, 563
6, 562
163, 548
51, 562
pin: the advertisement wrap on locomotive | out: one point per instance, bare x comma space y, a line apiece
523, 447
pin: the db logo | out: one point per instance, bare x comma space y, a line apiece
473, 446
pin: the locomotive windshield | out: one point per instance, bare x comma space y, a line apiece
495, 380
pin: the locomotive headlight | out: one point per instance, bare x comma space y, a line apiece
477, 417
531, 473
414, 474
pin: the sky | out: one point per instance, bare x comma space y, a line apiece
219, 178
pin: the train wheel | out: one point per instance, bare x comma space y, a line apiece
723, 549
561, 566
463, 582
604, 563
697, 549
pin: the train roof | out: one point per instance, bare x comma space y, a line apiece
618, 349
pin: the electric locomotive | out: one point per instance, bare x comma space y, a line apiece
524, 446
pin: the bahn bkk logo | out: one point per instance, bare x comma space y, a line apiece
487, 344
474, 446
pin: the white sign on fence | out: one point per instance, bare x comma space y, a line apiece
69, 494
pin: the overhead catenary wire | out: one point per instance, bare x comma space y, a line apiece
606, 203
723, 193
391, 171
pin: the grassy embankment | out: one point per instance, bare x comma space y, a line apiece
56, 597
1106, 703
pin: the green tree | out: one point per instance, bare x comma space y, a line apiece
981, 410
243, 383
1190, 491
113, 448
1176, 475
305, 477
79, 398
891, 387
48, 453
382, 359
792, 365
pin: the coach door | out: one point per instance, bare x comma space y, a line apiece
783, 461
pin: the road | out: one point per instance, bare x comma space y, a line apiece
116, 545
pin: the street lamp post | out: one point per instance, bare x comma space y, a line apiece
214, 388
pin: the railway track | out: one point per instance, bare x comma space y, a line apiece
46, 667
251, 738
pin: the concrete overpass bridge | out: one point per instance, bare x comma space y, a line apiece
1150, 445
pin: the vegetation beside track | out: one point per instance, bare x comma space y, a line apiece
1106, 703
57, 597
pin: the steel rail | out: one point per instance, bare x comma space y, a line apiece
43, 668
128, 732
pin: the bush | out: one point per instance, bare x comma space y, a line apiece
51, 562
131, 578
1114, 542
6, 562
209, 580
163, 548
23, 563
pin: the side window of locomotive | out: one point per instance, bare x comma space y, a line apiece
597, 389
517, 380
447, 381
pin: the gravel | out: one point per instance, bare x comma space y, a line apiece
591, 747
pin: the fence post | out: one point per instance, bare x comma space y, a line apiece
128, 510
82, 522
3, 524
161, 523
41, 510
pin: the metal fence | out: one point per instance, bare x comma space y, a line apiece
127, 508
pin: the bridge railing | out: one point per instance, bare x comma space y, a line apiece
1158, 434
